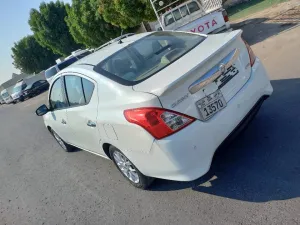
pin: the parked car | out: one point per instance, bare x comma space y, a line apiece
35, 88
6, 96
158, 104
49, 73
198, 16
17, 93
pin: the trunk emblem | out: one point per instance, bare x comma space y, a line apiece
215, 72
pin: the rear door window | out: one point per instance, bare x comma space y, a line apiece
88, 88
74, 91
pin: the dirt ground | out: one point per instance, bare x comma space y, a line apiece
269, 22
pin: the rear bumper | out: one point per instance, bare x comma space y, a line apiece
187, 155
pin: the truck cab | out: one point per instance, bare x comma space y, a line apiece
198, 16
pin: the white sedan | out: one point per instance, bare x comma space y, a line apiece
157, 104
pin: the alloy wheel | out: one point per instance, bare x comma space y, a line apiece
126, 167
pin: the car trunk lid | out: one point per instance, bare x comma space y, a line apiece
197, 74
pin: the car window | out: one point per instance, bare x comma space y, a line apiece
184, 11
50, 72
5, 95
169, 19
145, 57
88, 88
24, 86
74, 90
17, 89
177, 14
57, 100
193, 7
66, 63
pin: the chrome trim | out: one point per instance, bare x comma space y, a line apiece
215, 72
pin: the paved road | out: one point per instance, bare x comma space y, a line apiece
256, 180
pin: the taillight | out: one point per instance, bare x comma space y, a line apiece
158, 122
252, 56
225, 16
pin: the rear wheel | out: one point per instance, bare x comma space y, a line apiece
128, 169
66, 147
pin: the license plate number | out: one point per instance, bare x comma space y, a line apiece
211, 104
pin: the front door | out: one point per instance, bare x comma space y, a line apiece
57, 117
82, 95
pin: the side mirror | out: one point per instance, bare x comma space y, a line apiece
42, 110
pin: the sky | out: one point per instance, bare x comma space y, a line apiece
14, 15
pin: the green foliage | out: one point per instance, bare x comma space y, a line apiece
125, 13
86, 24
30, 57
50, 29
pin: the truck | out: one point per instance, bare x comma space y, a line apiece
197, 16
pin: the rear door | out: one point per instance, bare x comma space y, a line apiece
82, 96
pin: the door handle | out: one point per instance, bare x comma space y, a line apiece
91, 124
63, 121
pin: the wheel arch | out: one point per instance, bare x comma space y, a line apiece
105, 148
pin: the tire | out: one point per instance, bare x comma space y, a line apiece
66, 147
21, 99
128, 169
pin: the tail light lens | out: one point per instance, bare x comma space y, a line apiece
225, 16
252, 56
158, 122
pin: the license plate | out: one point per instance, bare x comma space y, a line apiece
211, 104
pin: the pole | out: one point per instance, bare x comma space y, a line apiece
152, 3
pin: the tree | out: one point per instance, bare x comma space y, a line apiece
86, 24
30, 57
125, 13
50, 29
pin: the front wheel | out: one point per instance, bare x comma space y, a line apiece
66, 147
128, 169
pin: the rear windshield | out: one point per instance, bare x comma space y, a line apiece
147, 56
66, 63
50, 72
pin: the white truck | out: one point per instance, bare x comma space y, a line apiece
200, 16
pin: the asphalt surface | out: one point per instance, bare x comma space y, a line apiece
255, 180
